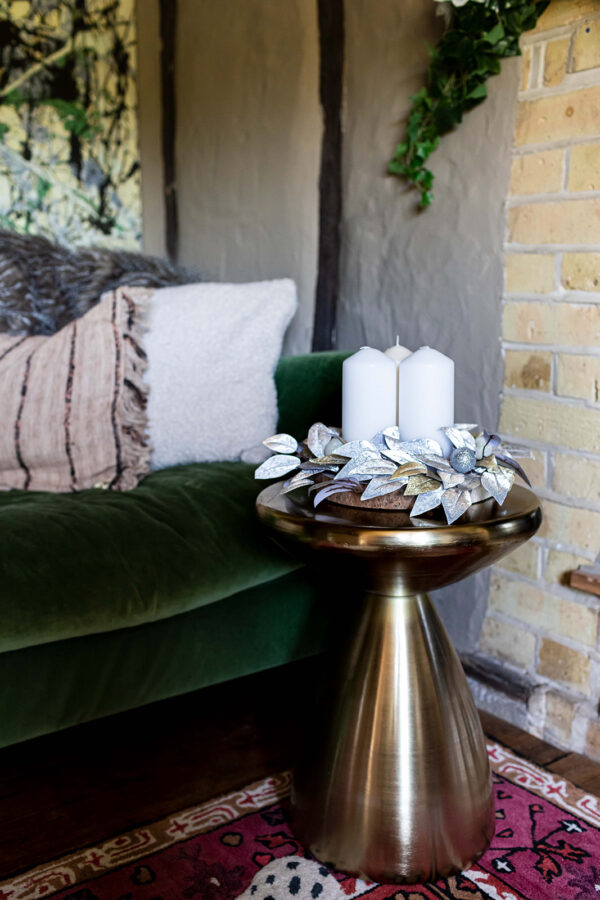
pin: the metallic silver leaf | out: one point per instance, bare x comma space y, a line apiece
422, 446
277, 466
455, 503
319, 436
357, 448
451, 479
468, 427
311, 469
425, 502
459, 437
392, 432
300, 480
381, 485
333, 445
281, 443
357, 462
334, 487
379, 442
376, 467
398, 456
498, 484
480, 442
436, 462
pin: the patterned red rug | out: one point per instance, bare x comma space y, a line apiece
547, 845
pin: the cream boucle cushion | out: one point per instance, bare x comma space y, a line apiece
73, 404
212, 351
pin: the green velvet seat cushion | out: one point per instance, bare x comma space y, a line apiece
75, 564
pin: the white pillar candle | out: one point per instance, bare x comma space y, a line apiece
368, 394
398, 353
426, 396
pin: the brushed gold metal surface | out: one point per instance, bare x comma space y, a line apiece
397, 787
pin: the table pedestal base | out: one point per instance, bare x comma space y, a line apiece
397, 787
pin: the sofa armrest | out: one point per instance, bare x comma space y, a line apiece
309, 389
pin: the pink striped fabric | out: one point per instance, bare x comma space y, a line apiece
73, 405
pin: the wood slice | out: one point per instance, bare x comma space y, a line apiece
394, 501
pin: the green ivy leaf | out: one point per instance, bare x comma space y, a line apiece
496, 34
482, 33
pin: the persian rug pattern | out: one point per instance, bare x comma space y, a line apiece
547, 845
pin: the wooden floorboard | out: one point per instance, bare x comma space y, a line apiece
68, 790
523, 743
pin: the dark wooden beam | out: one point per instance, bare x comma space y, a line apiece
168, 31
331, 41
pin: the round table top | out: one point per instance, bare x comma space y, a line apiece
351, 529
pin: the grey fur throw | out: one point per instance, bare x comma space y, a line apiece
43, 286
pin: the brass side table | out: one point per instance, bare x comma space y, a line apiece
398, 788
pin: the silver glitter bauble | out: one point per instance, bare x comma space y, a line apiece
463, 460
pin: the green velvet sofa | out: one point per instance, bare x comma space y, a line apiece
112, 600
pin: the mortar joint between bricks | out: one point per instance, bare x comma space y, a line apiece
557, 144
562, 196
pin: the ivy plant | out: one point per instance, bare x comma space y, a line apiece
480, 34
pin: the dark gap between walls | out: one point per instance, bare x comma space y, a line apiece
168, 30
331, 47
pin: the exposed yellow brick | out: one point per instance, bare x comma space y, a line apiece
537, 173
561, 424
579, 376
576, 477
560, 712
555, 64
525, 68
581, 271
592, 741
507, 642
535, 468
529, 273
561, 222
567, 525
570, 324
535, 607
523, 560
586, 46
559, 566
565, 12
584, 170
528, 369
564, 665
561, 117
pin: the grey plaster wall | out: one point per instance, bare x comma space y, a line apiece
248, 143
433, 277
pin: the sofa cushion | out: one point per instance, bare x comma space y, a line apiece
73, 404
74, 564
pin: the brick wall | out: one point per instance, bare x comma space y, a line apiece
551, 400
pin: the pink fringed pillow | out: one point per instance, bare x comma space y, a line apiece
73, 405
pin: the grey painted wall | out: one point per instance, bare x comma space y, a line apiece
433, 277
248, 155
248, 143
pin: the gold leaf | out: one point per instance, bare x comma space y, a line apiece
409, 468
420, 484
